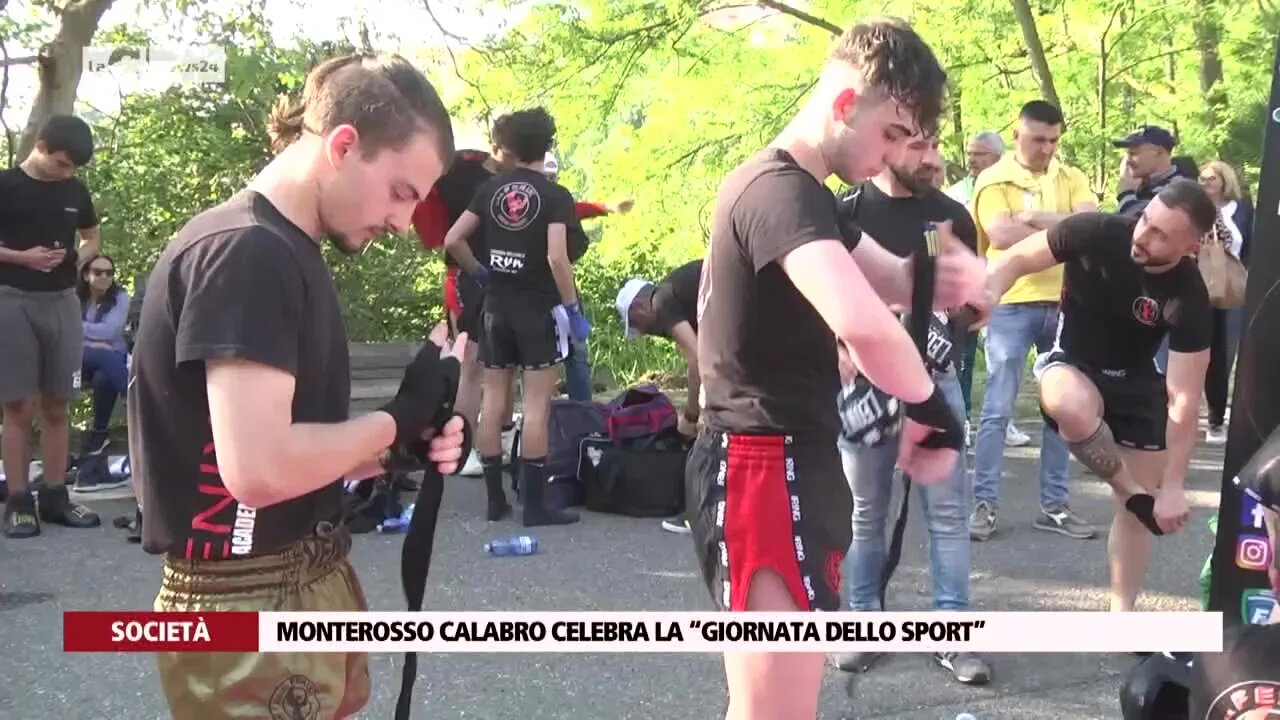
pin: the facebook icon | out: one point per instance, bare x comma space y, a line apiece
1251, 514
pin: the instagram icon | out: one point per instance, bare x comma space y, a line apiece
1253, 553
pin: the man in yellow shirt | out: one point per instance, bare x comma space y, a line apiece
1025, 192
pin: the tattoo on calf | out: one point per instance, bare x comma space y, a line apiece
1098, 452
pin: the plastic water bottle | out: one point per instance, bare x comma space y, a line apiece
397, 524
519, 545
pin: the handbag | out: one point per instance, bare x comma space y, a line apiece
1224, 275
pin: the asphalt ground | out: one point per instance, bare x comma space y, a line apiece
611, 563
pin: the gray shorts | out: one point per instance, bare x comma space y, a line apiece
42, 350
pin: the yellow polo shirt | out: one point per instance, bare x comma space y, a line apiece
1008, 187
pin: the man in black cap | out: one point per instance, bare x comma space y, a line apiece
1148, 167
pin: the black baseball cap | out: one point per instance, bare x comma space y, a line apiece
1148, 135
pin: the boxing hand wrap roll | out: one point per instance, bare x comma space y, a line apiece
936, 413
868, 415
424, 400
1260, 477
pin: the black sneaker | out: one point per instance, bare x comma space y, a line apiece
20, 520
965, 667
56, 507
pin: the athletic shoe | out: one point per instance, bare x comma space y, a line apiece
965, 667
1216, 435
1013, 437
857, 662
56, 507
982, 521
677, 525
472, 467
20, 519
1060, 519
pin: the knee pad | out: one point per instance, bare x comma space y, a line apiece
1158, 688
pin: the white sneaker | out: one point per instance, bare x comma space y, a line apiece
1216, 435
1013, 437
677, 525
472, 468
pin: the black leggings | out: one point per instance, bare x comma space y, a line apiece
1217, 378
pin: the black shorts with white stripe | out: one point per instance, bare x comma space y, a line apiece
523, 338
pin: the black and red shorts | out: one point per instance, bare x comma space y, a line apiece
464, 300
772, 502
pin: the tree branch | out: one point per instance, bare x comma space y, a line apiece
802, 16
1159, 56
456, 71
4, 100
20, 60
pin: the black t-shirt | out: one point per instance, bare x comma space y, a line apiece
1243, 681
239, 281
36, 213
675, 298
768, 360
1114, 313
897, 223
457, 188
515, 210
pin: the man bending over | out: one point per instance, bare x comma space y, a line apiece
1128, 281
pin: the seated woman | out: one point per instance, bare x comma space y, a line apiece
104, 307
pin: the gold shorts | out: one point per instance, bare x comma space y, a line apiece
310, 575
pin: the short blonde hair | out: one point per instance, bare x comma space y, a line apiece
1230, 179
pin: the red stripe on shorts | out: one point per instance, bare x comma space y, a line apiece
451, 300
758, 532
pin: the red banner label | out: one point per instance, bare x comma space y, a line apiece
94, 631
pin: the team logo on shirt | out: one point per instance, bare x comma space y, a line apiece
1146, 310
1250, 700
295, 699
515, 205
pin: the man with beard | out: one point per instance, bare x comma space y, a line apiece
1127, 283
895, 207
780, 297
238, 404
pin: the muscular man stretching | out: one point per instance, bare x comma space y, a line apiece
779, 295
240, 392
1128, 281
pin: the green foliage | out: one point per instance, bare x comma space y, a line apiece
657, 103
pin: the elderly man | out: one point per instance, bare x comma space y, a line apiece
1148, 167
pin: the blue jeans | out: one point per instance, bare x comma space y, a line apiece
1010, 335
870, 472
968, 358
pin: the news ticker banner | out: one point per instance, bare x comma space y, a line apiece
632, 632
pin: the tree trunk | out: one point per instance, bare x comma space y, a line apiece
1039, 63
1208, 29
957, 122
60, 65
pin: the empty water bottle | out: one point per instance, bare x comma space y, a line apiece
519, 545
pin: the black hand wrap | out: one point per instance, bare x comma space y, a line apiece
1143, 507
424, 400
936, 413
1260, 477
869, 416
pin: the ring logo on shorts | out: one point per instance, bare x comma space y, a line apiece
724, 554
720, 514
515, 205
791, 470
795, 508
724, 468
295, 699
808, 588
799, 548
1146, 310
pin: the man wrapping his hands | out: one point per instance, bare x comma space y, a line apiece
239, 400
